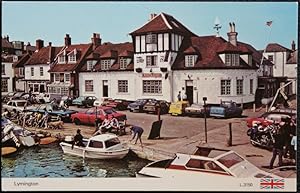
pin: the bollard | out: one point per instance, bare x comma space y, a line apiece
254, 107
229, 141
158, 113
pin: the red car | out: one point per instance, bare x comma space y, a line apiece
268, 118
89, 116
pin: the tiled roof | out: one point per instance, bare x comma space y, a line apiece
82, 50
163, 23
6, 44
22, 61
190, 50
43, 56
294, 58
7, 58
274, 47
209, 48
110, 50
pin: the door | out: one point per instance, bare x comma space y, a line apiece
105, 88
189, 91
42, 88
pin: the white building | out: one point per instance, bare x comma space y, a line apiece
7, 74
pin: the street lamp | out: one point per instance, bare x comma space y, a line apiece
205, 125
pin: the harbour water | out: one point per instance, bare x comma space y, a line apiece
49, 161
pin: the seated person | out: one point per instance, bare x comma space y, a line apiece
78, 139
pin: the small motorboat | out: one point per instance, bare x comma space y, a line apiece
205, 162
104, 146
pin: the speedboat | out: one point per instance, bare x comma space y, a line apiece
205, 162
103, 146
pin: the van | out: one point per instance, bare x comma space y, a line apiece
178, 107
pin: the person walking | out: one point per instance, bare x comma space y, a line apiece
179, 96
278, 144
294, 143
137, 131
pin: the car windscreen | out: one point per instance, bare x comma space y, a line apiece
230, 160
109, 111
21, 103
111, 142
80, 98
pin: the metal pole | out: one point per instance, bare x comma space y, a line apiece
205, 125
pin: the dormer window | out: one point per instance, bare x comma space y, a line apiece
151, 39
232, 59
123, 63
105, 64
90, 64
190, 60
61, 59
72, 58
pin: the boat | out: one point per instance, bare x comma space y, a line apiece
103, 146
205, 162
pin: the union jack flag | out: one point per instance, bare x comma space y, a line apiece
271, 183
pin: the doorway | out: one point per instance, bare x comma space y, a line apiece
189, 91
105, 88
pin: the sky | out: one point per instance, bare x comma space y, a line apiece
52, 20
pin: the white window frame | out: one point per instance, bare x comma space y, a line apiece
4, 85
72, 58
67, 77
21, 71
232, 59
31, 71
152, 87
151, 38
123, 63
123, 86
56, 77
105, 64
225, 87
88, 86
61, 59
239, 86
64, 91
3, 69
90, 65
190, 60
41, 71
151, 61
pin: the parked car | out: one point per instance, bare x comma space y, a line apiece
17, 105
226, 109
86, 101
178, 107
67, 99
119, 104
53, 109
268, 118
151, 106
18, 95
197, 110
7, 97
89, 116
105, 100
138, 105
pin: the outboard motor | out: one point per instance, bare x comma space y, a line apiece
69, 139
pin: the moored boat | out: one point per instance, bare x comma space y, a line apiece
204, 163
104, 146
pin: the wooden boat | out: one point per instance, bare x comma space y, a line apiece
204, 163
104, 146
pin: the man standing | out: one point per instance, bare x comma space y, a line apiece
179, 96
137, 131
277, 147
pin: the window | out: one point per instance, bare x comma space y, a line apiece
232, 59
225, 87
239, 87
61, 59
62, 77
64, 91
105, 64
190, 60
67, 77
151, 61
123, 63
3, 69
57, 77
89, 87
151, 39
123, 86
204, 165
4, 85
21, 71
271, 58
152, 86
112, 142
251, 86
32, 71
230, 160
96, 144
90, 65
41, 71
72, 58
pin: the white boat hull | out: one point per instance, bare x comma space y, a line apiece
92, 153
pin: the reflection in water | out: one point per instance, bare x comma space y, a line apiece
49, 161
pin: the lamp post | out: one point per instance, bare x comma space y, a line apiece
205, 125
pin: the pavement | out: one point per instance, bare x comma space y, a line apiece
182, 134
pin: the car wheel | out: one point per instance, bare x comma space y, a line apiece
77, 121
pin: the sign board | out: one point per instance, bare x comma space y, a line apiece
152, 75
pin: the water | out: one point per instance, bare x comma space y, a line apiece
49, 161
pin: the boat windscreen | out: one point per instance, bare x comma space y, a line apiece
111, 142
230, 160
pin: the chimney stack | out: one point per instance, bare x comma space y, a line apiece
96, 40
232, 34
293, 45
7, 38
39, 44
67, 40
152, 15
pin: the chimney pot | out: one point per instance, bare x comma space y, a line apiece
232, 34
293, 45
67, 40
96, 40
50, 43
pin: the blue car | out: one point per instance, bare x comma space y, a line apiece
138, 105
86, 101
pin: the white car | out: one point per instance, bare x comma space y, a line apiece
17, 105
